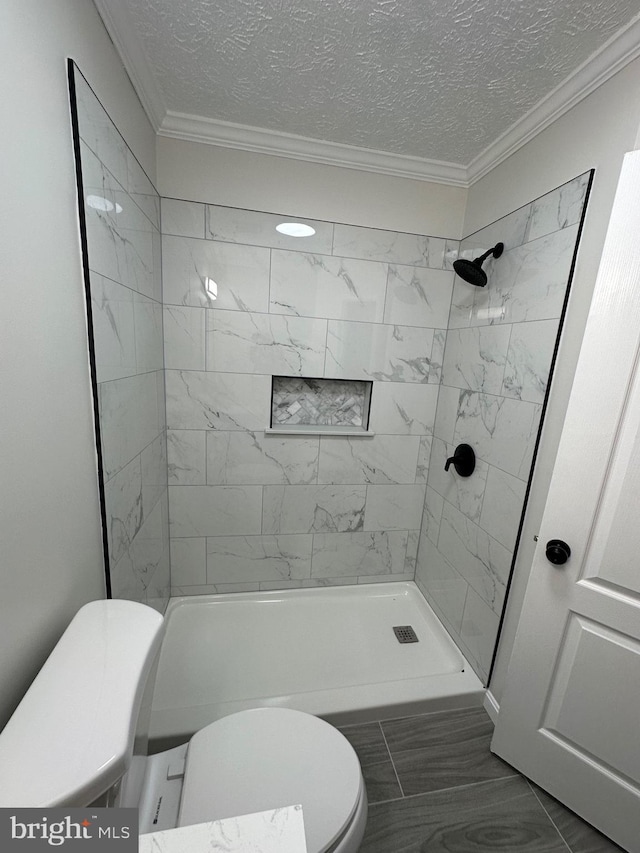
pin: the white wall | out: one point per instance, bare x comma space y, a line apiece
200, 172
51, 552
595, 134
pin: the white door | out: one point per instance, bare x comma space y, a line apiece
570, 715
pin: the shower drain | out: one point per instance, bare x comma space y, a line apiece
405, 634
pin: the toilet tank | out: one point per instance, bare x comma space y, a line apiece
72, 736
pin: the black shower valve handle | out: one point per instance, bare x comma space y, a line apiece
463, 460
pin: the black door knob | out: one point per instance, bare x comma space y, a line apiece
558, 552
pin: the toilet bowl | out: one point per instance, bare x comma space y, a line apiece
76, 742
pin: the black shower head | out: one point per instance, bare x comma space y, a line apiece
471, 271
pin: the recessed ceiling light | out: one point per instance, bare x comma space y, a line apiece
295, 229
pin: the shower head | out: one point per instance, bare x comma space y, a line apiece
471, 271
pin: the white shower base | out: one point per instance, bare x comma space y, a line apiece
330, 651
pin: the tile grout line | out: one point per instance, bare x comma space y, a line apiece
391, 758
551, 820
452, 788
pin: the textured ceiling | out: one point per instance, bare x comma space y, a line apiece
439, 79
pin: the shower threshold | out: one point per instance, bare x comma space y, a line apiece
330, 651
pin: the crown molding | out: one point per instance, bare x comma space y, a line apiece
117, 20
621, 49
261, 141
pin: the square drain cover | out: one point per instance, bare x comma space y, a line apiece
405, 634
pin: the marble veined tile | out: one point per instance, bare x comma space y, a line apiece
121, 240
465, 493
187, 457
278, 830
259, 458
113, 328
411, 556
215, 510
479, 630
189, 561
382, 459
527, 283
424, 456
184, 337
355, 554
376, 351
98, 132
558, 209
313, 509
512, 230
124, 581
502, 431
131, 416
351, 241
437, 356
451, 252
182, 218
502, 507
445, 588
243, 559
149, 334
123, 507
432, 514
479, 558
201, 400
153, 460
142, 190
236, 225
403, 408
394, 507
323, 286
150, 550
462, 304
418, 296
475, 358
206, 274
529, 360
265, 343
447, 413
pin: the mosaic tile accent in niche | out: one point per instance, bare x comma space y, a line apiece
320, 402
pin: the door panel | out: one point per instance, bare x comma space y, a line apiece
570, 715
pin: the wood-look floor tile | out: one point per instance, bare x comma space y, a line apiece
500, 816
448, 766
580, 836
436, 729
381, 782
368, 741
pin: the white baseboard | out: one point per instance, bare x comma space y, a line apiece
491, 706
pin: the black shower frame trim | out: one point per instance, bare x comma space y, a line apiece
543, 412
75, 126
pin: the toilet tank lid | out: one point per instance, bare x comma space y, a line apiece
72, 735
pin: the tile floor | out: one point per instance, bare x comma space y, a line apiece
434, 787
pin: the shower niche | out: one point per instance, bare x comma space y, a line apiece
326, 406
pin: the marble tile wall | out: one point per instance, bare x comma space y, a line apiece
495, 371
252, 510
122, 211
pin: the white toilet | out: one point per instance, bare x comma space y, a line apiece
79, 738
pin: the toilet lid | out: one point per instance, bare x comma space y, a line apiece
268, 758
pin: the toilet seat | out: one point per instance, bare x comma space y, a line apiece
267, 758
